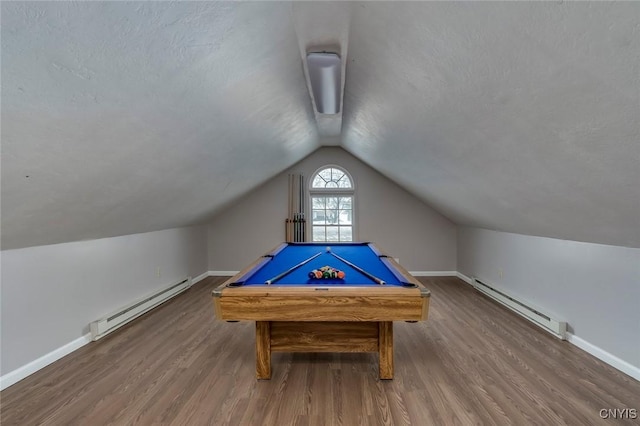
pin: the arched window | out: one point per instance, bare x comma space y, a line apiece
331, 198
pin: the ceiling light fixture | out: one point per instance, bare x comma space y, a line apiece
326, 82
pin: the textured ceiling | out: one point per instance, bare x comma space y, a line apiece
520, 117
120, 117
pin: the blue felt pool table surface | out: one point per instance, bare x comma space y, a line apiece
363, 255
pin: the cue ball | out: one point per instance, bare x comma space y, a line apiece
328, 248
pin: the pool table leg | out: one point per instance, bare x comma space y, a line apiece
385, 349
263, 350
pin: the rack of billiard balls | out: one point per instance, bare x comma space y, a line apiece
326, 273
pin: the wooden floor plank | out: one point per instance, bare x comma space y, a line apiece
472, 362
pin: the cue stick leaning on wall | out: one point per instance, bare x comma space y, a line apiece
302, 221
291, 208
287, 225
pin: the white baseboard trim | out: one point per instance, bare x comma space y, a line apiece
26, 370
222, 273
200, 277
597, 352
20, 373
464, 278
433, 273
605, 356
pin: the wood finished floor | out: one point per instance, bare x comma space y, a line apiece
472, 362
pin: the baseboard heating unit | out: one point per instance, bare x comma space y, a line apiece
553, 326
122, 316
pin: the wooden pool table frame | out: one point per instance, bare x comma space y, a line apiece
316, 318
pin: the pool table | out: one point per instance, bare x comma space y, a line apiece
299, 313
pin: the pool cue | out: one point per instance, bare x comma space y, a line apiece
288, 220
302, 199
359, 269
293, 215
290, 270
290, 213
300, 189
291, 208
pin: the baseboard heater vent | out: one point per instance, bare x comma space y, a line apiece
553, 326
122, 316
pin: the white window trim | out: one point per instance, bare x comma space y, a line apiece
331, 191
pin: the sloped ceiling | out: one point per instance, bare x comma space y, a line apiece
120, 117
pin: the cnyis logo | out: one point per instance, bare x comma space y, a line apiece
619, 413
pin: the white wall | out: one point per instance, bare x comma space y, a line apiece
51, 293
594, 287
386, 214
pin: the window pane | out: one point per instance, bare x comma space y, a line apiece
318, 182
344, 182
331, 212
318, 233
331, 178
325, 174
344, 217
317, 202
332, 202
344, 203
332, 233
346, 233
318, 217
332, 216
